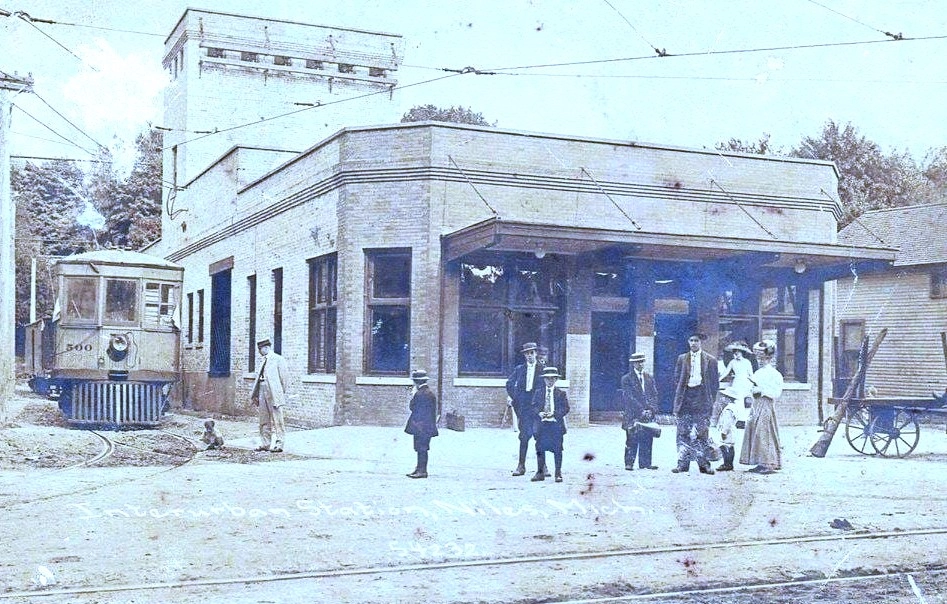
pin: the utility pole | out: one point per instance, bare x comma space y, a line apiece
9, 87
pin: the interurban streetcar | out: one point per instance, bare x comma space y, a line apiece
110, 352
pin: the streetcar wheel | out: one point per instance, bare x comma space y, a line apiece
858, 430
899, 439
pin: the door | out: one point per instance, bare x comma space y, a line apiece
670, 341
611, 345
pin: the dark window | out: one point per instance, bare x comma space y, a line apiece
323, 297
81, 300
851, 335
190, 318
376, 72
314, 64
121, 302
286, 61
251, 312
160, 304
939, 284
200, 316
388, 311
215, 53
346, 68
278, 311
220, 324
504, 302
777, 313
250, 57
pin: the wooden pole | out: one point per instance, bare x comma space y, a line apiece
821, 446
943, 345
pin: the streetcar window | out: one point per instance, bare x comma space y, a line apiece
160, 304
121, 301
80, 298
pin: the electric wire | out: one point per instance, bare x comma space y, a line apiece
897, 36
68, 121
48, 127
289, 113
24, 16
706, 53
659, 51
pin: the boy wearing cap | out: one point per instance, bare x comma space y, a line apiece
639, 401
520, 386
422, 423
550, 405
269, 394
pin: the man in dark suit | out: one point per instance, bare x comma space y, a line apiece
550, 406
422, 424
639, 398
519, 388
696, 382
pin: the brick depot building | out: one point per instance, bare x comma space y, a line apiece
445, 247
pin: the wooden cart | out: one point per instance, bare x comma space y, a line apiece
889, 427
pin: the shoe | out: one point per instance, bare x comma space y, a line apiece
519, 471
558, 477
724, 468
417, 474
756, 470
679, 469
537, 477
767, 471
706, 470
629, 467
262, 448
648, 467
276, 450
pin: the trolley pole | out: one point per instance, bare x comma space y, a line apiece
9, 86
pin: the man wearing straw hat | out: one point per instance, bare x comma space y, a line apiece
269, 394
550, 405
639, 399
519, 388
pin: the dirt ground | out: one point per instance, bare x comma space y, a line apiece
334, 519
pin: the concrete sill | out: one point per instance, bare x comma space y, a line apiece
383, 380
319, 378
493, 382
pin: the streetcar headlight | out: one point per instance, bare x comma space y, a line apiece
119, 343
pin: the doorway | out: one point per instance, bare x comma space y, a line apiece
611, 345
670, 341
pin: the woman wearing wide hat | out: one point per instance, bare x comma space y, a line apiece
761, 439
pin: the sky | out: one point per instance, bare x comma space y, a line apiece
734, 68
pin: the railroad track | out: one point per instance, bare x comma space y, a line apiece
546, 560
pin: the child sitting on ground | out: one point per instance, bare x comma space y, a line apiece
212, 436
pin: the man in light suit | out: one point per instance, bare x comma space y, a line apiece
697, 381
269, 394
639, 403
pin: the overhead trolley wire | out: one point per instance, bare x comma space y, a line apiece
45, 125
658, 51
734, 51
308, 108
897, 36
24, 16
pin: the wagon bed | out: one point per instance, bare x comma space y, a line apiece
887, 426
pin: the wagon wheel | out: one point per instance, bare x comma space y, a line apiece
895, 435
858, 430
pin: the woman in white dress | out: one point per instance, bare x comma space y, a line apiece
741, 369
761, 439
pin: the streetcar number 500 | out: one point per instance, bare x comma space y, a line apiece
78, 347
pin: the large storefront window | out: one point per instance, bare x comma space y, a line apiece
773, 313
504, 302
323, 298
388, 312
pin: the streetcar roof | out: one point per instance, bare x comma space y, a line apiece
120, 257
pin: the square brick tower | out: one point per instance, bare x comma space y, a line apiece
232, 76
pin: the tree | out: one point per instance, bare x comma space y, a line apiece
870, 179
132, 208
458, 115
760, 147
